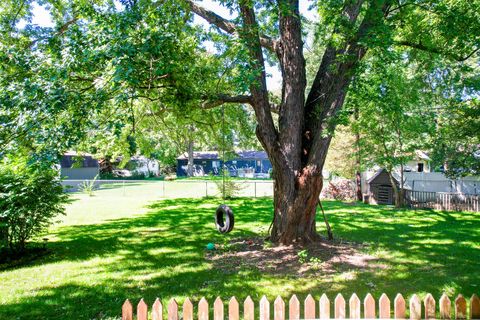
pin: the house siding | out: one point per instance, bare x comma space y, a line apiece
71, 168
205, 166
79, 173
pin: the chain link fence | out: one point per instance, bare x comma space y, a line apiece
170, 189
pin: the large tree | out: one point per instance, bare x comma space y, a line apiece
297, 145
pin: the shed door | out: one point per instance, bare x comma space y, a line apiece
385, 194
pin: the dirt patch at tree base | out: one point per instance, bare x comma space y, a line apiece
322, 257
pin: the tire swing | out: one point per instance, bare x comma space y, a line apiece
224, 219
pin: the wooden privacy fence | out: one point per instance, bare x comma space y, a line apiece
442, 200
385, 309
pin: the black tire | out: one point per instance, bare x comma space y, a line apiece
227, 225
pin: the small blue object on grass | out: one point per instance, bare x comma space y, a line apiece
210, 246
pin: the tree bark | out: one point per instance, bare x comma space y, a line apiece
397, 190
190, 158
358, 175
295, 205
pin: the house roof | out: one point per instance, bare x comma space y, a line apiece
202, 155
71, 157
213, 155
77, 154
257, 155
422, 155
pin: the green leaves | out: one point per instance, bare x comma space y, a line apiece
457, 143
30, 198
395, 114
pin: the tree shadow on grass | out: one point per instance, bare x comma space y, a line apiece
162, 254
426, 250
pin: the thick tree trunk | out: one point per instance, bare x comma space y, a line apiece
295, 205
397, 191
358, 182
190, 159
358, 175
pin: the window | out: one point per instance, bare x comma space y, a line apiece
215, 164
419, 167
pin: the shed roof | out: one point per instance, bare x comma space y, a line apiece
380, 171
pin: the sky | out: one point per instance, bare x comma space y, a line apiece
41, 17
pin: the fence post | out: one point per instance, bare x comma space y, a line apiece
206, 189
255, 184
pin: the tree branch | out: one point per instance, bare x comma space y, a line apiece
335, 73
226, 25
14, 20
422, 47
63, 28
266, 131
221, 99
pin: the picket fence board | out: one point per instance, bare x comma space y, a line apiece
279, 309
309, 307
217, 309
248, 309
172, 310
354, 305
187, 309
324, 305
400, 307
339, 307
460, 307
294, 308
445, 307
264, 309
384, 307
233, 309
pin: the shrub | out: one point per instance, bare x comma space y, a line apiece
341, 189
228, 188
88, 186
29, 201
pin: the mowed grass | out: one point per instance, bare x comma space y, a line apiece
121, 244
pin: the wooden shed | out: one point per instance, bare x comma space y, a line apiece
380, 188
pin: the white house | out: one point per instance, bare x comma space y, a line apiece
420, 163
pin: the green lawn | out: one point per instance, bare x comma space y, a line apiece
115, 246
